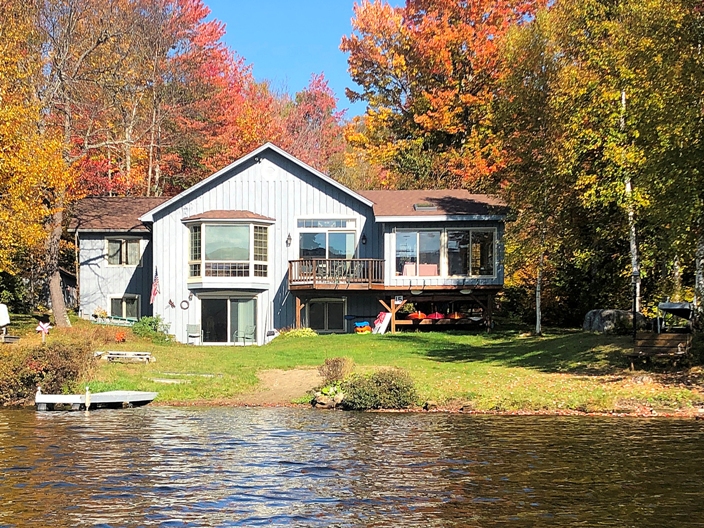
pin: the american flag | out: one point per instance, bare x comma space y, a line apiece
155, 286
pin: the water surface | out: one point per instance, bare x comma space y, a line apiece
160, 466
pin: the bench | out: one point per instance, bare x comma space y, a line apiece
126, 357
671, 346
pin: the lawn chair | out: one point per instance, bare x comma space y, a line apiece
249, 332
193, 332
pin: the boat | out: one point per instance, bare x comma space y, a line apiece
88, 401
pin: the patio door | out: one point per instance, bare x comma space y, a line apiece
229, 320
243, 316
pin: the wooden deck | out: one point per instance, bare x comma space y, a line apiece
332, 274
88, 401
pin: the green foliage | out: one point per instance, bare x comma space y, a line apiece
384, 389
297, 333
55, 367
336, 369
153, 328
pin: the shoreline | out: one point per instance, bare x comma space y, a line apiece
694, 413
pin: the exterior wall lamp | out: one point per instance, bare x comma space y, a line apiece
288, 240
364, 239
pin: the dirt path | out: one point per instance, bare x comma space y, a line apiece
279, 387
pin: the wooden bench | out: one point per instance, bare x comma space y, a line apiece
671, 346
126, 357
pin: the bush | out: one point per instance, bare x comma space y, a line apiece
56, 367
384, 389
335, 369
298, 332
153, 328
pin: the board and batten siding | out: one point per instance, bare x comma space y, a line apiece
269, 185
100, 282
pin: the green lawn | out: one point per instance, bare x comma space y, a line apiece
502, 371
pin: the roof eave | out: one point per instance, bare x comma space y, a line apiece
441, 218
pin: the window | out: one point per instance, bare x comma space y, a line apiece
418, 253
326, 239
124, 252
465, 252
327, 316
229, 320
125, 307
229, 250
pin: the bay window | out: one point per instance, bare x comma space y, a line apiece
228, 250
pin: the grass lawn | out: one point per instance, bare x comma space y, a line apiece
502, 371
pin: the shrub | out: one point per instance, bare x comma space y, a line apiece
298, 332
56, 367
384, 389
153, 328
335, 369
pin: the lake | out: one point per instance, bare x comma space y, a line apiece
164, 466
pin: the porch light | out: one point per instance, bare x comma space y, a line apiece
465, 291
364, 239
288, 240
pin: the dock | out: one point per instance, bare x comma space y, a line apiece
89, 401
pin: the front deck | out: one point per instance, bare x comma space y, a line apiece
333, 274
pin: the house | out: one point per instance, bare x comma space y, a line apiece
268, 243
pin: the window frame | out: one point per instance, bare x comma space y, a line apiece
124, 251
255, 269
137, 297
444, 266
326, 301
350, 227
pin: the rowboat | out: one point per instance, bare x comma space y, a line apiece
88, 401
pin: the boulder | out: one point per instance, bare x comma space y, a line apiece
322, 401
612, 321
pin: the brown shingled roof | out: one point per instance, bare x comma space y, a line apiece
110, 213
227, 215
441, 202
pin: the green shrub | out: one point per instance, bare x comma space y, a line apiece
298, 332
55, 366
384, 389
153, 328
335, 369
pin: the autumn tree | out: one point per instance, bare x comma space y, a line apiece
428, 72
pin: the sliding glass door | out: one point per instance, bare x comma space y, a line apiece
229, 320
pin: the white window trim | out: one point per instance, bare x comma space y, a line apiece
123, 239
338, 300
443, 271
251, 224
228, 298
356, 230
122, 298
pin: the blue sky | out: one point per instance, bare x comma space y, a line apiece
286, 41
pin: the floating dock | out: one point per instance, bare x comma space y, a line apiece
88, 401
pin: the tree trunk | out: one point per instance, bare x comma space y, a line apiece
631, 209
538, 287
699, 280
56, 293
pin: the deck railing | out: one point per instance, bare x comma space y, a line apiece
327, 272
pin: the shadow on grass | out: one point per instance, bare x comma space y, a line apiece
567, 351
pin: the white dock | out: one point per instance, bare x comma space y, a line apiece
88, 401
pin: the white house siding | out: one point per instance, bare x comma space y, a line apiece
274, 187
99, 282
392, 280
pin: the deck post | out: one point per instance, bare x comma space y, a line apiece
489, 311
298, 311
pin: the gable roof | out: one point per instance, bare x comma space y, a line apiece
149, 216
112, 213
414, 205
227, 215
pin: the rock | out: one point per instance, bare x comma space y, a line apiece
430, 404
321, 401
612, 321
338, 397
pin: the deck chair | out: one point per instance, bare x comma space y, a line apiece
193, 332
4, 323
249, 332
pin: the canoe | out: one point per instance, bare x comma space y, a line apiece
88, 401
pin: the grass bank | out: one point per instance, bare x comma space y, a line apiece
504, 371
